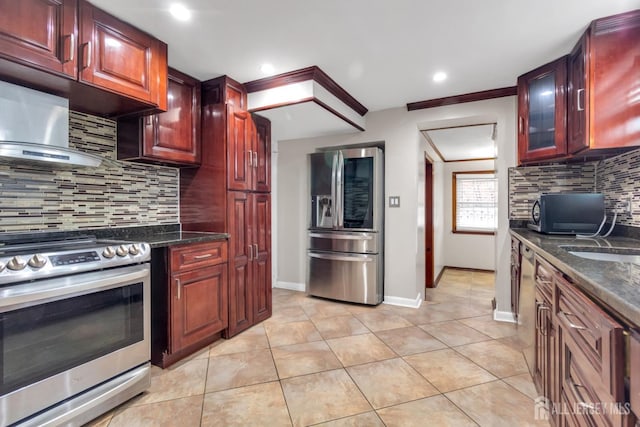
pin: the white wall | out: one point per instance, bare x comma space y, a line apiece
399, 129
465, 250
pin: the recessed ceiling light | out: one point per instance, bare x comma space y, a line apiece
440, 76
267, 69
180, 12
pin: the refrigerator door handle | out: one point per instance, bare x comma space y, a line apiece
334, 202
341, 236
340, 184
351, 257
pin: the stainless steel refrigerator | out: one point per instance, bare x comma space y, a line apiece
346, 221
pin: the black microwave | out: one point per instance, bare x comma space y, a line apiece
567, 213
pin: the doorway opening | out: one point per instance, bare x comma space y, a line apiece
428, 223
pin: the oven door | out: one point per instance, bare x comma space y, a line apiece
59, 337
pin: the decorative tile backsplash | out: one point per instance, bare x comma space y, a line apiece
618, 178
39, 198
527, 183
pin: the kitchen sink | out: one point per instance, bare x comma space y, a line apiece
629, 255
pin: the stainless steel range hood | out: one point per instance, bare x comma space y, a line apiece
34, 127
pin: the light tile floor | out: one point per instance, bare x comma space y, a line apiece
317, 362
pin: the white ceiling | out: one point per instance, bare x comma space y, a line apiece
463, 142
382, 52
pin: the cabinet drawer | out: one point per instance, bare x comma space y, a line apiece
197, 255
544, 274
595, 339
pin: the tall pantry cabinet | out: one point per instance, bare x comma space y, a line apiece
230, 192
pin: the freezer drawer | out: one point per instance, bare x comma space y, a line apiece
346, 277
341, 241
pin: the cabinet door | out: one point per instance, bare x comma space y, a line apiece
40, 33
542, 131
614, 77
596, 339
585, 400
578, 97
241, 253
120, 58
515, 277
262, 148
198, 305
175, 134
261, 230
541, 377
239, 151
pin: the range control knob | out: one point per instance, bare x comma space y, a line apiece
2, 266
37, 261
134, 250
16, 263
122, 250
108, 252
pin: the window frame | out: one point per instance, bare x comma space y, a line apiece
454, 199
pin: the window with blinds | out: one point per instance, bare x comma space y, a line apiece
475, 202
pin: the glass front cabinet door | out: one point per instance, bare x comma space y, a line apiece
542, 113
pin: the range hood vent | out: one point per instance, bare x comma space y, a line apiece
34, 127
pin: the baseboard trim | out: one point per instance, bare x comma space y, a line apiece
292, 286
403, 302
503, 316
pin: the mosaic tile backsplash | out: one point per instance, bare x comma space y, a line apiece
42, 198
618, 178
527, 183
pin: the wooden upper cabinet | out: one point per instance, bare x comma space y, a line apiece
578, 96
603, 101
41, 34
542, 112
120, 58
240, 155
262, 148
72, 49
172, 137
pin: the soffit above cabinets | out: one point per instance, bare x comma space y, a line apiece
305, 103
463, 143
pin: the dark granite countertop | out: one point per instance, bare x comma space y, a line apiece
182, 237
158, 236
615, 284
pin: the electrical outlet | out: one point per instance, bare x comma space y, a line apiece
627, 205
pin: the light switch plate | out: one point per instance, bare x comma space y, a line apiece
394, 201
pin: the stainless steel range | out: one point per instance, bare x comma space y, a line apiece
74, 327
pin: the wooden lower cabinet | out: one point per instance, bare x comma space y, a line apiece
580, 355
199, 306
249, 260
190, 299
516, 262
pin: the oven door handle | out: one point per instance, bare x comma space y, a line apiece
55, 289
